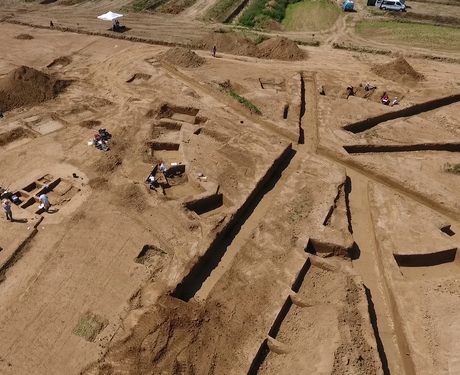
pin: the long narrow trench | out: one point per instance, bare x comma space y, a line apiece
368, 267
241, 233
203, 278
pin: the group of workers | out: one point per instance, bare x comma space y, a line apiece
6, 205
385, 100
101, 139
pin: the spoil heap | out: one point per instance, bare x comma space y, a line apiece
277, 48
26, 86
280, 49
229, 42
183, 57
397, 70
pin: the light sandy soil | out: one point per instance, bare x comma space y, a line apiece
276, 251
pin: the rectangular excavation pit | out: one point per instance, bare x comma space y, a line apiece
183, 117
22, 197
447, 230
363, 149
327, 249
206, 204
164, 146
46, 179
47, 126
32, 187
272, 84
426, 260
169, 125
148, 254
49, 186
416, 109
29, 202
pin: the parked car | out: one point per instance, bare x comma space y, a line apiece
395, 5
378, 3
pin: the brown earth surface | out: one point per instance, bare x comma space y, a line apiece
26, 86
396, 70
183, 57
318, 237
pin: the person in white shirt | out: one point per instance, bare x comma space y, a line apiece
43, 199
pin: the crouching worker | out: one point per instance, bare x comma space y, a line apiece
152, 181
44, 202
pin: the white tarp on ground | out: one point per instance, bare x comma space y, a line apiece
110, 16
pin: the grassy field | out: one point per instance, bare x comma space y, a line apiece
311, 15
414, 34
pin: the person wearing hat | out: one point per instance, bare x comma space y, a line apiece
6, 205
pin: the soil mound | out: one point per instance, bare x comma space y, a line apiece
183, 57
13, 135
280, 49
24, 37
233, 43
26, 86
90, 124
397, 70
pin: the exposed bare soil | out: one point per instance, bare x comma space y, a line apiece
317, 237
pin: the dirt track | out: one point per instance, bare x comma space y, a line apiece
272, 251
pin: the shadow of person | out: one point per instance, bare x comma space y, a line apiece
20, 220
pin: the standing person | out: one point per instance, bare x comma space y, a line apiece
43, 199
214, 50
6, 205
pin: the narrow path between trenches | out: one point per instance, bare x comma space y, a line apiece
369, 267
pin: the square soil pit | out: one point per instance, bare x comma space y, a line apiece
47, 126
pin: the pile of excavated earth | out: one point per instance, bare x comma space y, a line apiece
258, 213
27, 86
277, 48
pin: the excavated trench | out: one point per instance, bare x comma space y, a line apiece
369, 123
364, 149
202, 269
343, 190
426, 260
302, 110
328, 249
264, 349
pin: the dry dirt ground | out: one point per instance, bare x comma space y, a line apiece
318, 237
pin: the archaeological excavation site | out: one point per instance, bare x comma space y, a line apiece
209, 187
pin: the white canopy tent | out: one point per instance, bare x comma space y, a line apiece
110, 16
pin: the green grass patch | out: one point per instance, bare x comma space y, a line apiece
89, 326
259, 11
311, 15
221, 10
143, 5
452, 168
244, 101
410, 33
